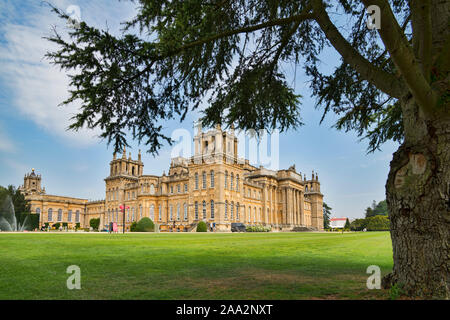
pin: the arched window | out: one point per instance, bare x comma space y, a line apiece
178, 212
226, 179
306, 188
59, 214
204, 209
212, 209
196, 210
226, 209
152, 189
77, 216
237, 183
232, 210
196, 181
50, 214
185, 211
232, 181
152, 212
171, 212
212, 179
204, 180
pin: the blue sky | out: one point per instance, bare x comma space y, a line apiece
33, 128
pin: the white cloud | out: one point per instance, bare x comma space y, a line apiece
6, 144
35, 87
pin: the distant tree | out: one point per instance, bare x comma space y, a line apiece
358, 224
20, 204
347, 224
378, 223
145, 225
94, 223
377, 209
326, 215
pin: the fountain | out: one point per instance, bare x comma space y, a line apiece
8, 221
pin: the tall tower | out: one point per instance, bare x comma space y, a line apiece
32, 184
316, 198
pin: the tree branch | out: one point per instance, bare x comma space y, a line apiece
421, 15
383, 80
403, 57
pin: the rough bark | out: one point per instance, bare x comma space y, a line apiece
417, 192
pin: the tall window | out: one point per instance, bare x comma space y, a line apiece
249, 214
77, 216
232, 181
226, 179
196, 210
237, 211
212, 209
159, 213
117, 216
212, 178
232, 210
254, 214
171, 189
204, 209
185, 187
140, 212
196, 181
171, 212
178, 212
178, 188
259, 216
50, 213
59, 214
132, 214
152, 212
237, 183
108, 216
185, 211
226, 209
69, 216
152, 189
204, 180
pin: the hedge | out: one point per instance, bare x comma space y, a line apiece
201, 226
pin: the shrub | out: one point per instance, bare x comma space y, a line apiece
145, 225
378, 223
77, 226
56, 225
94, 223
133, 226
258, 229
201, 226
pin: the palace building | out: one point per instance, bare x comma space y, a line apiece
212, 186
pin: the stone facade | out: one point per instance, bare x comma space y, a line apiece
214, 186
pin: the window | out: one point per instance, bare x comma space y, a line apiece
50, 213
204, 180
232, 181
128, 195
159, 213
108, 216
237, 211
249, 214
140, 212
117, 216
226, 179
212, 209
212, 179
132, 214
259, 216
237, 183
77, 216
185, 187
152, 212
196, 181
38, 210
142, 188
204, 209
226, 209
196, 210
171, 212
254, 214
178, 212
152, 189
133, 196
59, 215
178, 188
171, 189
232, 210
128, 215
185, 211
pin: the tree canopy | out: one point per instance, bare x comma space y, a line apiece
175, 54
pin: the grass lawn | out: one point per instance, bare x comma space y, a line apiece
193, 266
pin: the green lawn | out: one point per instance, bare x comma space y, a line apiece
193, 266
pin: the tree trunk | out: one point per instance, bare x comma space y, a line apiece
417, 192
